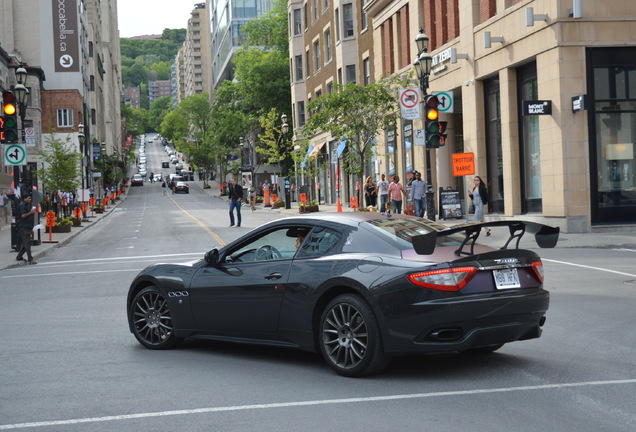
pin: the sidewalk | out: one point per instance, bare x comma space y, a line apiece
566, 240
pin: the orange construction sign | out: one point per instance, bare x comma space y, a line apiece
463, 164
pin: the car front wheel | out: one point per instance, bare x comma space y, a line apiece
350, 338
151, 320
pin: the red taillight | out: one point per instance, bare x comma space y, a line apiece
451, 279
537, 266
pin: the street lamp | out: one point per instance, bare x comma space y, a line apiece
284, 128
422, 66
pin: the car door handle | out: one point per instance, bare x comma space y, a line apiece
273, 276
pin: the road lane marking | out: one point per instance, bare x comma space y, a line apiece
589, 267
212, 233
311, 403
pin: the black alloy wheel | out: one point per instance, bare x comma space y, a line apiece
151, 320
350, 338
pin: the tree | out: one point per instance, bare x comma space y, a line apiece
159, 109
61, 171
355, 113
274, 146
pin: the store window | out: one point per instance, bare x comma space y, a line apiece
613, 128
530, 150
494, 151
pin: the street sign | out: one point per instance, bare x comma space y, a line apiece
15, 154
410, 103
463, 164
420, 137
29, 136
445, 99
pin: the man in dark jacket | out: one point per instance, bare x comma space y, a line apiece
25, 220
235, 192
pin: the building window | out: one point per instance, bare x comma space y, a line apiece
337, 22
92, 83
317, 56
301, 113
330, 87
65, 117
363, 15
366, 63
494, 149
351, 74
308, 63
340, 76
530, 143
299, 68
325, 5
298, 22
306, 14
328, 53
347, 12
318, 94
314, 5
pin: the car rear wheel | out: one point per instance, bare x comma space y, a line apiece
350, 338
151, 320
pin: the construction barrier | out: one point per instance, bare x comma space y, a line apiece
303, 198
266, 198
274, 197
354, 202
77, 213
50, 222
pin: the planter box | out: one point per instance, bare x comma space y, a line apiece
308, 209
59, 229
278, 205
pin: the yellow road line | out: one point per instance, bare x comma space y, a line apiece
212, 233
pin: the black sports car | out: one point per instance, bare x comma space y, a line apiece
357, 287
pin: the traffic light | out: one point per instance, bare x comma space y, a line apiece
9, 120
434, 128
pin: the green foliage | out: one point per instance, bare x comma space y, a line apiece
61, 165
272, 143
355, 113
136, 119
159, 109
270, 30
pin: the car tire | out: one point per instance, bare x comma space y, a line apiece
350, 339
150, 319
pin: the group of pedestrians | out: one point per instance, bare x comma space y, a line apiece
391, 195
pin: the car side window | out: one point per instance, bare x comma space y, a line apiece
274, 245
319, 242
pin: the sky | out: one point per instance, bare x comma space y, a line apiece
144, 17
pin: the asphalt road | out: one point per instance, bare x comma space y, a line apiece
69, 363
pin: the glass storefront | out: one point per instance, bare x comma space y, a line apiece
530, 142
612, 134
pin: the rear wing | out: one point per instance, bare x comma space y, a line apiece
545, 235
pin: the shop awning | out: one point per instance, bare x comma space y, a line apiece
316, 150
341, 147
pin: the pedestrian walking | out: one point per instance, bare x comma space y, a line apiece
252, 197
396, 191
418, 194
479, 196
235, 192
382, 190
25, 220
164, 187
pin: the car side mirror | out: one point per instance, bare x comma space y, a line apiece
212, 257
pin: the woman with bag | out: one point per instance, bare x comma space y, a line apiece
479, 195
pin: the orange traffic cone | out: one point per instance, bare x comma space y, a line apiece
339, 208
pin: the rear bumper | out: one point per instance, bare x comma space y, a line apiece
462, 324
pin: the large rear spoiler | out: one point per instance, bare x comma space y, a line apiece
545, 235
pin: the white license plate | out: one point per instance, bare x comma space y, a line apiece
506, 278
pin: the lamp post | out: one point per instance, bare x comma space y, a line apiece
422, 66
284, 128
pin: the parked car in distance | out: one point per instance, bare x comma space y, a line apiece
158, 177
165, 164
181, 187
359, 288
137, 180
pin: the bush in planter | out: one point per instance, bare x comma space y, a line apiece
67, 221
311, 206
278, 204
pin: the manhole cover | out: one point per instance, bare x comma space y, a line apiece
630, 282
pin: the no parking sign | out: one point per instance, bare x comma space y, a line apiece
410, 103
